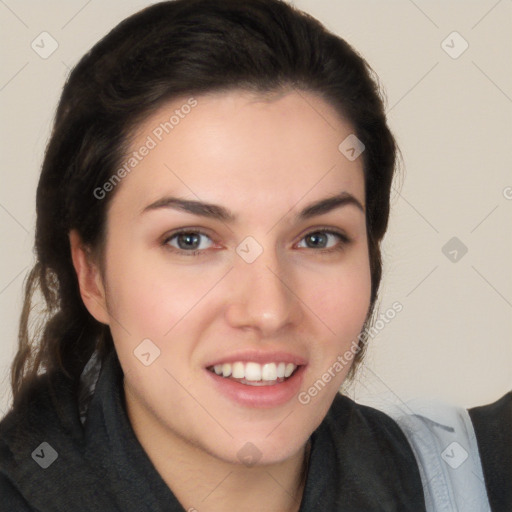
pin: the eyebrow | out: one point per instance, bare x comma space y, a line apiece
221, 213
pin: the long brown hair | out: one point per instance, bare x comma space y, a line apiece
171, 49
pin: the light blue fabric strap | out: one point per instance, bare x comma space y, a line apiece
444, 444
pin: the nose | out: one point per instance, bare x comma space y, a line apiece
262, 296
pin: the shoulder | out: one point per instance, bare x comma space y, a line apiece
376, 436
372, 462
41, 406
493, 429
374, 418
12, 499
464, 456
494, 420
43, 420
10, 429
369, 421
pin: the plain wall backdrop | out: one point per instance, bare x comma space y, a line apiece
446, 70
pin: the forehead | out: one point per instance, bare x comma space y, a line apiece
241, 149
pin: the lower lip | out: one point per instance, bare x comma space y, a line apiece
259, 396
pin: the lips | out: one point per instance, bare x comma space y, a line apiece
257, 378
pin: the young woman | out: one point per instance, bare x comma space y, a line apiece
209, 219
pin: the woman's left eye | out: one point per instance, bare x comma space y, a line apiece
320, 239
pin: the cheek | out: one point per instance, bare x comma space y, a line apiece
341, 302
346, 300
343, 299
148, 299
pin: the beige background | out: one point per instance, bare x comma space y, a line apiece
453, 120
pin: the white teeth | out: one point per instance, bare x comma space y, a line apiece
289, 369
252, 371
238, 371
255, 372
269, 371
226, 370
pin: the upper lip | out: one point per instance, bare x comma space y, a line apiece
259, 356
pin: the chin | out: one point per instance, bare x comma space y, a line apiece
253, 447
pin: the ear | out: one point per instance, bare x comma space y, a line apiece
91, 285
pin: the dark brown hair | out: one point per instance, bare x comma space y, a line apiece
171, 49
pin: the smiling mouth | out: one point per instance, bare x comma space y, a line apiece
255, 374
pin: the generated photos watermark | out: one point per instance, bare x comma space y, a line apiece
345, 359
157, 135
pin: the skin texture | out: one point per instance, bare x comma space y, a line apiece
264, 158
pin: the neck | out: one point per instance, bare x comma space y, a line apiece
203, 482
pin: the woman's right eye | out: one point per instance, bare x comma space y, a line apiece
188, 243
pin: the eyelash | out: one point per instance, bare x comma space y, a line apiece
344, 241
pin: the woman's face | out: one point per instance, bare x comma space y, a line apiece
253, 288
